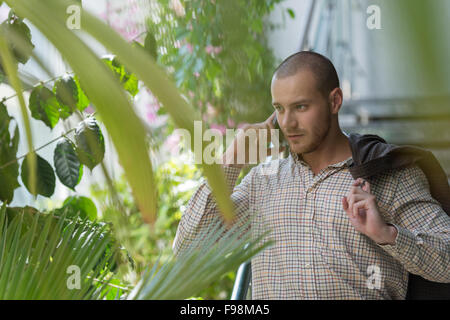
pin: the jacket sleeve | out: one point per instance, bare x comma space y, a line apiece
202, 212
422, 244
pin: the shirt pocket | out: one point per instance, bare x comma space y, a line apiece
333, 228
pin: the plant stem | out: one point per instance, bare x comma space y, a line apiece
40, 83
37, 149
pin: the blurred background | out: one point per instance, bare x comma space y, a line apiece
391, 57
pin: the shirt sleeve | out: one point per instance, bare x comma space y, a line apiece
422, 244
202, 211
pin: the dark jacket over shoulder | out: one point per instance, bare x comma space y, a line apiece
373, 155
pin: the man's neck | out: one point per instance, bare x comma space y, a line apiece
330, 152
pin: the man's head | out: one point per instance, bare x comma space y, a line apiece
306, 94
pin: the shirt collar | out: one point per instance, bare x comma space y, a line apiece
299, 160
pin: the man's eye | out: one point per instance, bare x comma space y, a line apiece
301, 106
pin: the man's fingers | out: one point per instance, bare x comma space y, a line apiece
345, 204
358, 209
363, 184
354, 198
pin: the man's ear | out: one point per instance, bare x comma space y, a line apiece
335, 99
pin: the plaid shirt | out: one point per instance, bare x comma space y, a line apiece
317, 252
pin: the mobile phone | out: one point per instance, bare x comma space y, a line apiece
281, 137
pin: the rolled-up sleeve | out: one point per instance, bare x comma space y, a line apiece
422, 244
202, 211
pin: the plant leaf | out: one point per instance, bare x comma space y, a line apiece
44, 106
90, 144
8, 153
83, 100
45, 184
15, 28
67, 165
150, 45
83, 206
66, 91
128, 80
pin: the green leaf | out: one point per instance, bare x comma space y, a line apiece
8, 153
45, 184
128, 80
291, 13
83, 100
150, 45
83, 206
66, 92
44, 106
19, 37
90, 144
67, 166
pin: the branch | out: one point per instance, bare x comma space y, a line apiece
38, 84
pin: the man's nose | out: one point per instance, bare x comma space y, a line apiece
289, 120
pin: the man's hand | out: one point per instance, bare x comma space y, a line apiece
361, 207
248, 143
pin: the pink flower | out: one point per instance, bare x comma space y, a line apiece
210, 110
209, 49
189, 47
172, 143
89, 109
231, 123
196, 74
177, 6
151, 116
222, 128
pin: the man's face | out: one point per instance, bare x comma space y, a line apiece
301, 110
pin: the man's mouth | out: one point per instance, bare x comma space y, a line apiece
294, 137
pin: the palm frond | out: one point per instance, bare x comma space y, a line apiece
35, 258
211, 255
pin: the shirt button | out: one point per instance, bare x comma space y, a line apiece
308, 265
307, 229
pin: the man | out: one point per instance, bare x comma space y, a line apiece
335, 237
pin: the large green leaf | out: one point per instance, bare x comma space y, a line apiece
44, 106
45, 184
67, 166
8, 153
12, 73
90, 144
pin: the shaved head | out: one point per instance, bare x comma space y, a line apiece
322, 68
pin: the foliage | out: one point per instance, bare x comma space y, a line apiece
111, 92
37, 251
218, 55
